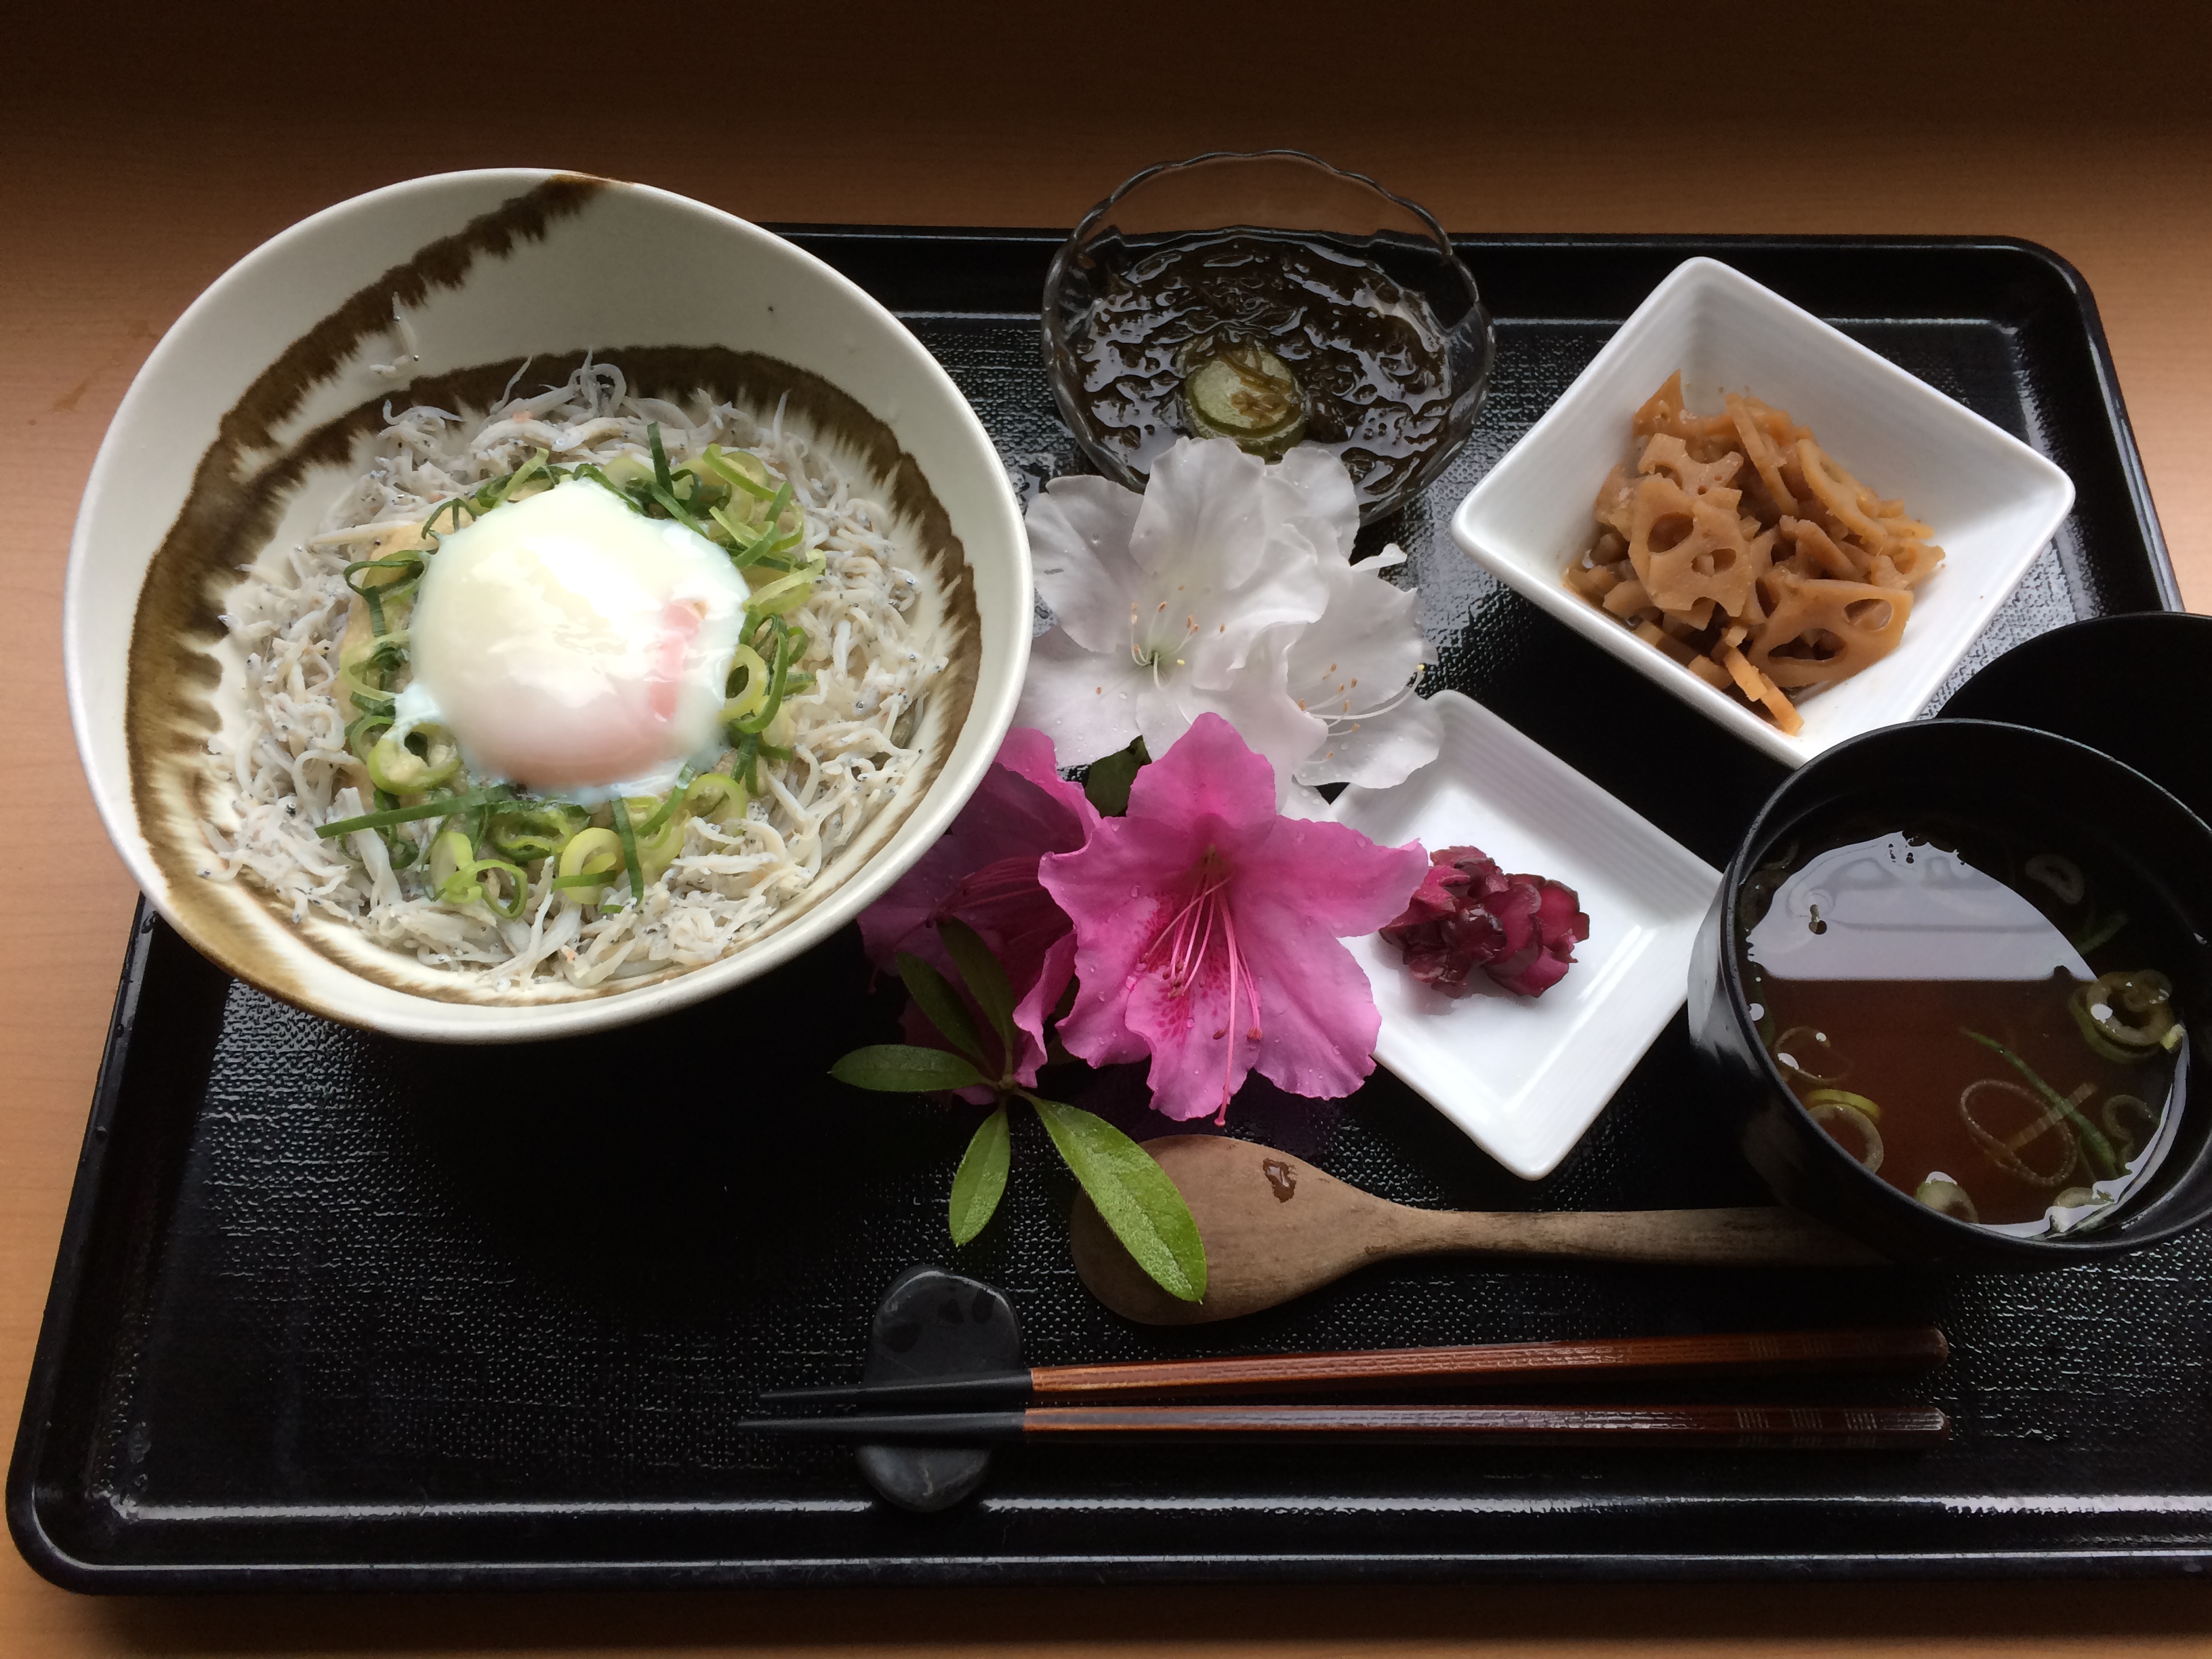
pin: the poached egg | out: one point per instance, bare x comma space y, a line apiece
570, 644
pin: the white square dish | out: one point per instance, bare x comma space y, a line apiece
1524, 1077
1994, 502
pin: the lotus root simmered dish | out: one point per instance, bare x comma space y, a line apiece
1741, 548
1980, 1022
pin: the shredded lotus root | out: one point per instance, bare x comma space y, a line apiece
289, 768
1742, 550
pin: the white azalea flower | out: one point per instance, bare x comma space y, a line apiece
1227, 586
1357, 668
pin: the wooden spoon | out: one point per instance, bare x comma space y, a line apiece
1275, 1228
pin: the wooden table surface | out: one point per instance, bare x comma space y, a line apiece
148, 149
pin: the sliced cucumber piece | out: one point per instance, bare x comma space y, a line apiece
1248, 395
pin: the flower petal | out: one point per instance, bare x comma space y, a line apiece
1079, 533
1200, 1042
1255, 706
1053, 974
1091, 702
1317, 1022
1028, 753
1250, 905
1326, 871
1211, 773
1329, 505
1224, 545
1377, 750
1114, 890
1010, 814
1195, 597
1297, 887
1368, 640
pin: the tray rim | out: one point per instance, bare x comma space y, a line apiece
41, 1549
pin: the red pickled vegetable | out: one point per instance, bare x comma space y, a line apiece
1468, 913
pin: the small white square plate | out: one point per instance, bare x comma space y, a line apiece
1524, 1077
1994, 502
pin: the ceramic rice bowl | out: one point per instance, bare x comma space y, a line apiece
261, 401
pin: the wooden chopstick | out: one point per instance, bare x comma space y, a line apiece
1845, 1427
1742, 1353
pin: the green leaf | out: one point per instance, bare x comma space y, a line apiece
1134, 1195
986, 980
981, 1180
934, 994
899, 1068
1108, 781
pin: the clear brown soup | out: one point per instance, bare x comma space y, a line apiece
1981, 1023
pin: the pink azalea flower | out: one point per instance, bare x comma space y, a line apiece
1206, 929
984, 873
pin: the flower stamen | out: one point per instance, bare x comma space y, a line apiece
1409, 689
1184, 946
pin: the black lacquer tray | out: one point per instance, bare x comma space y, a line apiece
336, 1310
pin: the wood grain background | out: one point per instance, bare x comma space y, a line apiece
146, 149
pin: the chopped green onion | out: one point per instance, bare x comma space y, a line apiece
443, 806
2092, 1137
745, 547
399, 768
361, 734
752, 750
1845, 1099
397, 848
1830, 1114
745, 763
676, 509
487, 495
580, 861
587, 469
536, 828
790, 642
675, 798
385, 651
516, 479
1948, 1197
511, 909
742, 703
411, 563
783, 595
456, 507
629, 839
716, 797
660, 838
757, 554
450, 854
2096, 933
458, 877
736, 475
661, 475
662, 485
374, 594
2100, 1008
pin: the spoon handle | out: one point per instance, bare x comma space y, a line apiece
1749, 1238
